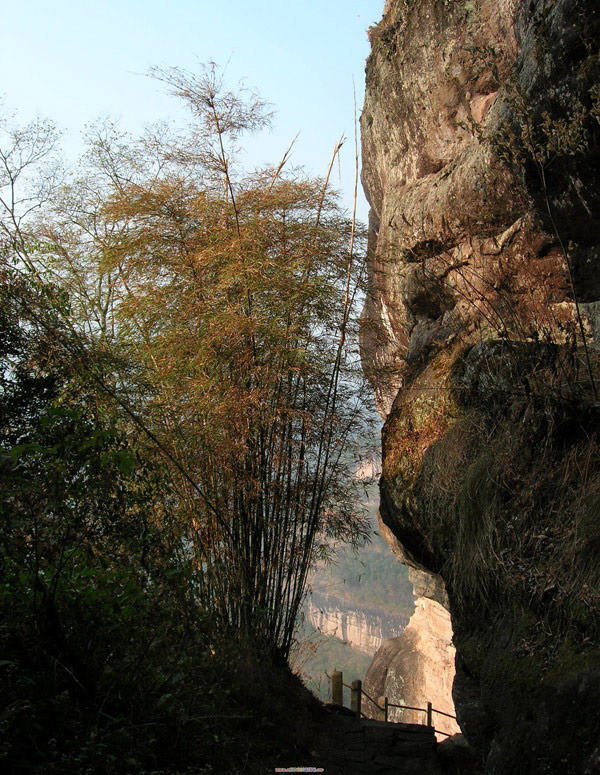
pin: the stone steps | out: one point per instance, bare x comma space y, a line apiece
367, 747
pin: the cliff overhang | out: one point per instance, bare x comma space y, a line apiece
481, 160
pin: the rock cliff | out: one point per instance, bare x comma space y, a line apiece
364, 628
416, 668
481, 138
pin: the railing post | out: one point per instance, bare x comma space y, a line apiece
383, 704
355, 697
337, 688
429, 714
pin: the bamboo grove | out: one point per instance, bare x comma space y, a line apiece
226, 303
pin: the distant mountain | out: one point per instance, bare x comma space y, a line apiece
354, 604
364, 628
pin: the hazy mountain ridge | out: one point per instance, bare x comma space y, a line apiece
362, 627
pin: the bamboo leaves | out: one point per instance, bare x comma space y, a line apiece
236, 294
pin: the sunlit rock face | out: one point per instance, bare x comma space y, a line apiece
417, 668
480, 161
364, 629
452, 230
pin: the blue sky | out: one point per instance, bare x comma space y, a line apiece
75, 60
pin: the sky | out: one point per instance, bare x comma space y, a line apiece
74, 61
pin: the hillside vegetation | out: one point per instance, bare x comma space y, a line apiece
180, 407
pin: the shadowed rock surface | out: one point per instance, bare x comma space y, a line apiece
481, 160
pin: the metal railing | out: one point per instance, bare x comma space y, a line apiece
383, 704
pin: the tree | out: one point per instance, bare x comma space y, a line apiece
107, 659
237, 293
84, 544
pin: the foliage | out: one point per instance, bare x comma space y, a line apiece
108, 663
237, 293
509, 492
319, 654
180, 403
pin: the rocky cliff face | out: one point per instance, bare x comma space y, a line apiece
481, 140
364, 629
418, 666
